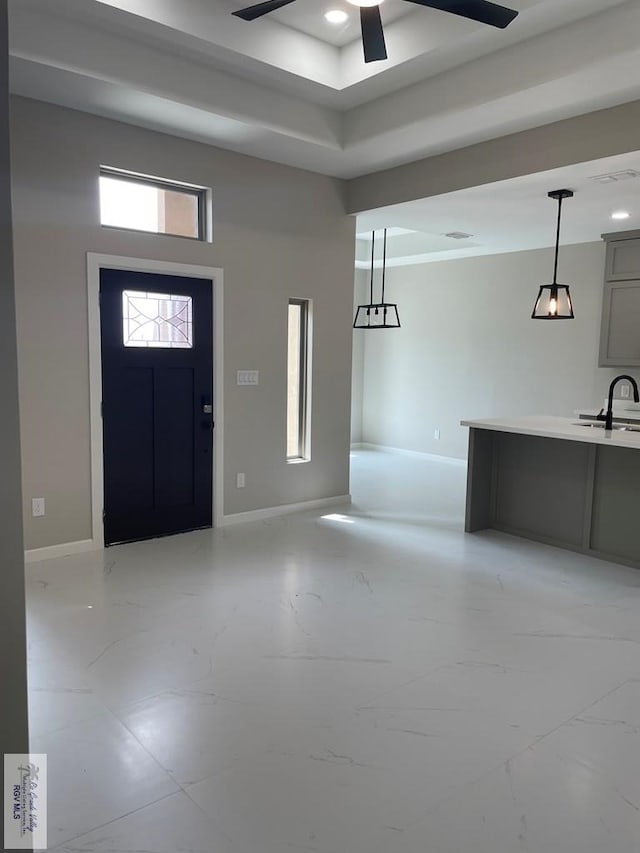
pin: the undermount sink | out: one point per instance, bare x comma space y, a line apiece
600, 425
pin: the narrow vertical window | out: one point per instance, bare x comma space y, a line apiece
297, 380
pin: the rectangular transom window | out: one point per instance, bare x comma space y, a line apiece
298, 365
142, 203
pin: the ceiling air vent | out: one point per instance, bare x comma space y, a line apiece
613, 177
458, 235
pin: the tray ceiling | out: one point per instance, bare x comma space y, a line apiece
291, 89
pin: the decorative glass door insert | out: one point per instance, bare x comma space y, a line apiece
157, 320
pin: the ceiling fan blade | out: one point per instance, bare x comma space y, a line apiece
475, 10
372, 34
260, 9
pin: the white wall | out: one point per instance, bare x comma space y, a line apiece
278, 233
468, 348
13, 666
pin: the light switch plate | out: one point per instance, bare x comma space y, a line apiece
248, 377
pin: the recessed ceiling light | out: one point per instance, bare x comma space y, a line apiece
336, 16
620, 214
365, 3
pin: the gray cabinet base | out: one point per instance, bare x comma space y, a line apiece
575, 495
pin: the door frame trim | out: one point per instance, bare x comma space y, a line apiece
96, 262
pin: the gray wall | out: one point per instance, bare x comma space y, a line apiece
278, 232
603, 133
467, 348
13, 668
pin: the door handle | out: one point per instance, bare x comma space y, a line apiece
207, 409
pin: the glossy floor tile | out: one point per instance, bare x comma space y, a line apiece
97, 772
367, 679
169, 825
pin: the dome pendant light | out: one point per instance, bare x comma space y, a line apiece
377, 315
554, 300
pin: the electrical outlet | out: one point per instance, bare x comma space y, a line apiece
436, 434
240, 481
37, 507
624, 391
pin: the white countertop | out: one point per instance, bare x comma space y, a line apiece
568, 429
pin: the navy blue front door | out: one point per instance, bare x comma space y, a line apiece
157, 378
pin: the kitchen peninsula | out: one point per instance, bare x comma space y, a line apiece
557, 480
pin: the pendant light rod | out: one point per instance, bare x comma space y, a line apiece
384, 260
373, 243
554, 300
555, 260
559, 195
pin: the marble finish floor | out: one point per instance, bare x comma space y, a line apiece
367, 679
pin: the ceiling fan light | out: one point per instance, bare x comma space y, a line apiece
373, 42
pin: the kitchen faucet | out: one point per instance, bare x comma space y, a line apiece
608, 420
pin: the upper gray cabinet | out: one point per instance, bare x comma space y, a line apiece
620, 331
623, 256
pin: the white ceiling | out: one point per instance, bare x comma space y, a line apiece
507, 216
308, 17
290, 89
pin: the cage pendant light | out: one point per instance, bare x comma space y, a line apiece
554, 300
377, 315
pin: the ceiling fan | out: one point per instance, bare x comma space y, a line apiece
371, 22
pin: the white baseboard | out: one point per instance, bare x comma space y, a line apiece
284, 509
65, 549
434, 457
